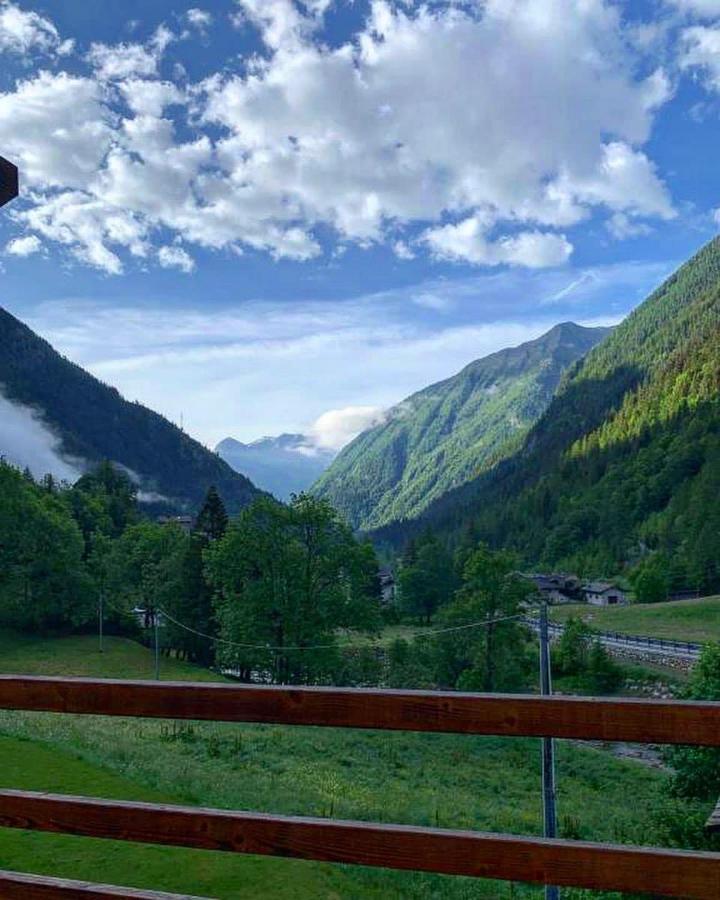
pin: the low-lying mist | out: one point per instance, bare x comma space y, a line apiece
25, 440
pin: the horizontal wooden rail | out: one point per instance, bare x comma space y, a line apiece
511, 715
668, 873
19, 886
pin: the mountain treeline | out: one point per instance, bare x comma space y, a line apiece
94, 422
450, 432
622, 471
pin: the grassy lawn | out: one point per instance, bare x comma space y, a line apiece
445, 780
682, 620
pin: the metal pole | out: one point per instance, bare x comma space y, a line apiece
100, 621
548, 750
156, 623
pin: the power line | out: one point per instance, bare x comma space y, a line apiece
424, 634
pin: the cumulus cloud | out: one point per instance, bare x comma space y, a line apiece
495, 127
701, 51
150, 98
176, 258
23, 31
26, 441
467, 242
337, 427
23, 246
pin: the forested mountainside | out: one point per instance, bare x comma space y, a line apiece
450, 432
94, 422
623, 469
284, 465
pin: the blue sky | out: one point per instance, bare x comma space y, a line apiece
267, 215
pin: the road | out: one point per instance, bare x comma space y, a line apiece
614, 640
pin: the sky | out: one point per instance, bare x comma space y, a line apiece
266, 216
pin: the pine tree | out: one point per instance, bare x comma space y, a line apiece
212, 519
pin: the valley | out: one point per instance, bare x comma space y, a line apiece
586, 451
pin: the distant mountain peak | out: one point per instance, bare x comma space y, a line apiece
283, 465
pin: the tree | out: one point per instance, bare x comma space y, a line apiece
491, 656
288, 577
116, 493
572, 652
651, 579
212, 519
697, 769
144, 567
427, 578
604, 675
192, 604
580, 655
43, 583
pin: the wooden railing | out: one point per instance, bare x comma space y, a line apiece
598, 866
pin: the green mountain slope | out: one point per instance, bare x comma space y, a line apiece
623, 469
93, 422
448, 433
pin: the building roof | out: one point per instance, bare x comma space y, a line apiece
600, 587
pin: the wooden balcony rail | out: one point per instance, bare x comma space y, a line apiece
508, 715
18, 886
582, 864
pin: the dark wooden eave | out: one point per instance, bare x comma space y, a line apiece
8, 181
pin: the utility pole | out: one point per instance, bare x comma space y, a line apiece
548, 749
156, 624
100, 618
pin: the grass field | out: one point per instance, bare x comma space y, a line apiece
445, 780
681, 620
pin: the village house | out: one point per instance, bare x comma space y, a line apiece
557, 587
603, 593
184, 522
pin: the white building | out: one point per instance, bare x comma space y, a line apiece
603, 593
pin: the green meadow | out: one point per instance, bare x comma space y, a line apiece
424, 779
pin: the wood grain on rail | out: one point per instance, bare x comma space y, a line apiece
511, 715
19, 886
668, 873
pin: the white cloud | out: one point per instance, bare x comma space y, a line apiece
24, 31
113, 62
199, 18
488, 124
716, 215
337, 427
176, 258
701, 50
23, 246
622, 226
430, 300
150, 98
705, 9
57, 128
467, 242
